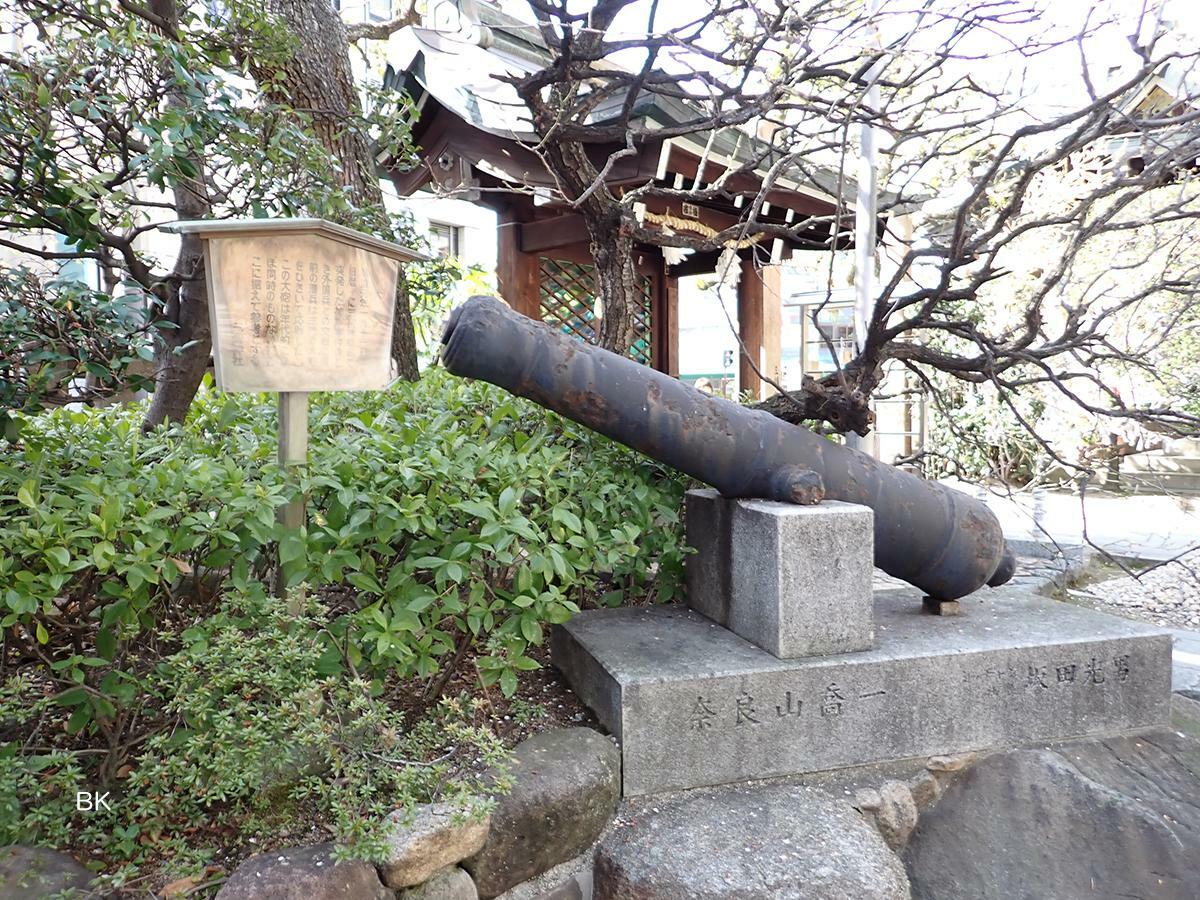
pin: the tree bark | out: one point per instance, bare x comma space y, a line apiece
610, 228
616, 278
841, 398
317, 80
182, 351
816, 402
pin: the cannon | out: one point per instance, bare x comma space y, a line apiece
935, 538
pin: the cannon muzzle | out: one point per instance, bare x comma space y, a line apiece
938, 539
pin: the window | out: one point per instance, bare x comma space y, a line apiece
829, 342
446, 239
815, 348
364, 10
84, 270
10, 37
379, 10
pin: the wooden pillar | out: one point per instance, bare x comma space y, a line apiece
665, 321
517, 273
760, 325
772, 352
750, 329
671, 324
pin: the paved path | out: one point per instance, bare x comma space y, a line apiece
1144, 526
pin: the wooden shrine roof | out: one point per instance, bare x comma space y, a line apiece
477, 142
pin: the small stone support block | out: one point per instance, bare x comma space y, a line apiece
795, 580
937, 607
694, 704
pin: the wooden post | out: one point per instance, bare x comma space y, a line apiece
664, 318
518, 277
750, 329
293, 456
772, 307
670, 324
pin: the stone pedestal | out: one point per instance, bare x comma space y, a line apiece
694, 704
795, 580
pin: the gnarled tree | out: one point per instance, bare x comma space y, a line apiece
972, 153
119, 116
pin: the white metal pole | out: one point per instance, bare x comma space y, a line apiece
867, 202
866, 209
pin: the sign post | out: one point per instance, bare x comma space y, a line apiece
296, 306
293, 459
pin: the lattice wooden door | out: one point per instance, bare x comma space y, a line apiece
567, 300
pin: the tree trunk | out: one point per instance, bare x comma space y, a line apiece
317, 80
610, 229
182, 352
616, 280
816, 402
842, 398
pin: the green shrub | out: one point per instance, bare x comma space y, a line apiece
62, 342
485, 517
259, 739
452, 512
449, 525
974, 435
107, 535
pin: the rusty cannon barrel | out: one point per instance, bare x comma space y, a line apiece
938, 539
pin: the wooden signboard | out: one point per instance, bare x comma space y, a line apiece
299, 305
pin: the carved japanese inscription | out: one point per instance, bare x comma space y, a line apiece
748, 708
773, 703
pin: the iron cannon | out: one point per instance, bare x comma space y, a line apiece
935, 538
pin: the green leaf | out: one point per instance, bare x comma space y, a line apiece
103, 553
568, 518
79, 718
530, 629
291, 548
106, 643
421, 602
26, 494
507, 503
508, 682
365, 582
476, 508
612, 598
72, 697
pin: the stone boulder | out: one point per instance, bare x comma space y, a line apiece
428, 839
566, 785
1185, 715
892, 808
303, 873
763, 842
1115, 817
27, 873
452, 883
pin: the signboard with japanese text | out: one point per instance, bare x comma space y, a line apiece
299, 305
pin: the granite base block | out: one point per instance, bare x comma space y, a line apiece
795, 580
694, 704
706, 572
